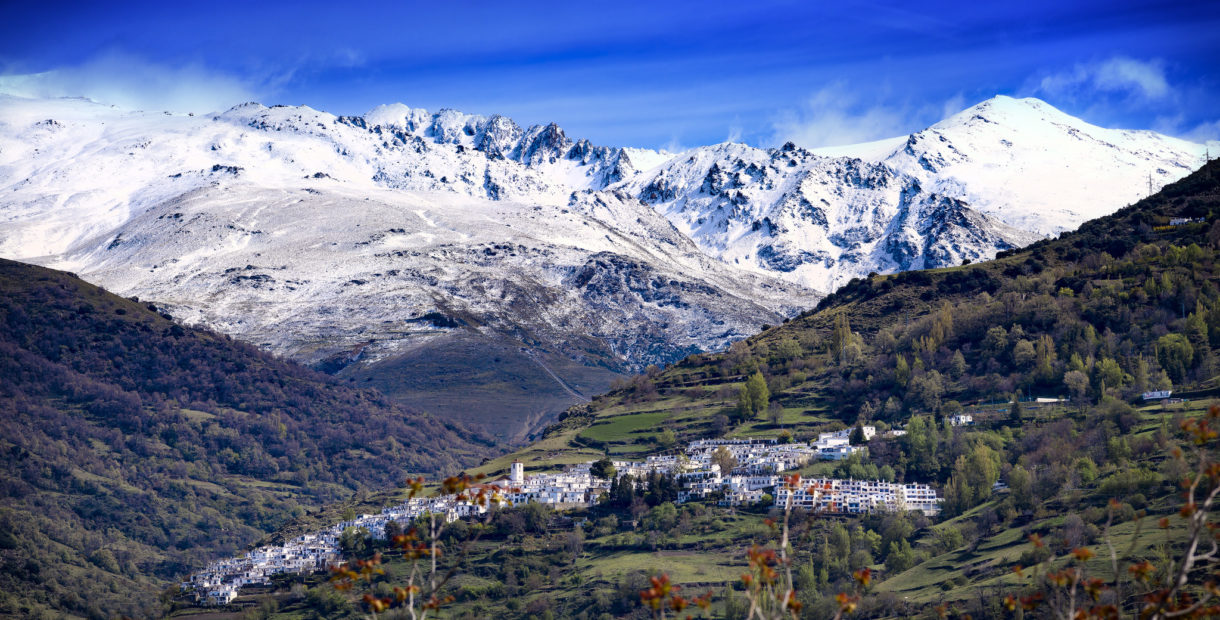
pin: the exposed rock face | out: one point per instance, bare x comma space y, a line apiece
1000, 174
356, 242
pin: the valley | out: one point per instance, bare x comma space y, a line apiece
1061, 443
362, 246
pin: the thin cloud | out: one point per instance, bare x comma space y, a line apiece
1208, 131
953, 105
127, 81
1119, 86
833, 116
1142, 79
735, 132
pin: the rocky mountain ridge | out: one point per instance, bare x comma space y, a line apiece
405, 248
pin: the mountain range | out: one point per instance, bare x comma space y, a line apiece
497, 274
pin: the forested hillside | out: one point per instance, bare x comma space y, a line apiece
136, 449
1088, 321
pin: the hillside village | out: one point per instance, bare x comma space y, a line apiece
755, 477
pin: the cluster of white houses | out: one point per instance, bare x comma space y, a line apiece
759, 463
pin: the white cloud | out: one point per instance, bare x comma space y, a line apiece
1118, 74
674, 146
1203, 132
833, 116
734, 133
1194, 131
953, 105
128, 81
836, 116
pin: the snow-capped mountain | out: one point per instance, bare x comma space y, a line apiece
997, 175
402, 246
1033, 167
350, 245
815, 220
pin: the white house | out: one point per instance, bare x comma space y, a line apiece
961, 419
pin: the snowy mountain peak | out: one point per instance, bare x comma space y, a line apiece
398, 116
270, 222
1037, 168
999, 174
1002, 108
406, 239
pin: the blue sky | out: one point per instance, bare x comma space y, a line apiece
651, 74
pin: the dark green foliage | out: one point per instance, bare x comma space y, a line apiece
603, 469
857, 436
622, 492
137, 449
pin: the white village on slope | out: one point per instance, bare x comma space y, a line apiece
757, 473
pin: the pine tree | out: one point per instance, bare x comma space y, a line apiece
857, 436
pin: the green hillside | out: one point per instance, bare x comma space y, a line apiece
136, 449
1088, 322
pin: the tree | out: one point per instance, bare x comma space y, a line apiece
921, 443
775, 414
392, 529
1021, 488
1024, 355
354, 542
622, 491
902, 371
1014, 413
1141, 375
745, 406
926, 390
603, 469
840, 336
1176, 355
957, 366
757, 393
725, 459
973, 475
1045, 367
666, 438
662, 518
996, 340
788, 349
1109, 374
900, 557
857, 436
1078, 385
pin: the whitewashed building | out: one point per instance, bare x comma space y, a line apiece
836, 496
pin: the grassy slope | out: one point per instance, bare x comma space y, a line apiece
483, 382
